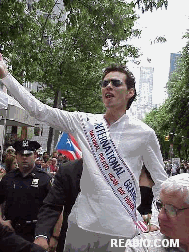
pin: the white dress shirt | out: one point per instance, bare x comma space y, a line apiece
97, 208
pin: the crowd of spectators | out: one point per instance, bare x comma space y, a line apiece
174, 168
44, 161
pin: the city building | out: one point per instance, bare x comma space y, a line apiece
174, 57
144, 98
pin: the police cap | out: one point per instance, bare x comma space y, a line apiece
26, 146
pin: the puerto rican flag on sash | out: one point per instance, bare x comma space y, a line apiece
68, 146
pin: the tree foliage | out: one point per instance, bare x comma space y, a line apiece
173, 116
65, 50
146, 5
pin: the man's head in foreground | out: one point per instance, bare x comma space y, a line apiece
174, 208
118, 87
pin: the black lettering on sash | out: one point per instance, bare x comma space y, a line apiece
115, 165
101, 133
98, 126
109, 153
112, 159
118, 171
122, 171
107, 149
104, 144
102, 139
132, 193
129, 186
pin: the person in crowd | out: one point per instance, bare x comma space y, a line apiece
62, 159
2, 172
168, 167
61, 197
182, 167
185, 166
23, 191
49, 162
38, 163
114, 147
10, 242
10, 150
174, 169
54, 166
46, 156
173, 207
55, 154
45, 166
10, 163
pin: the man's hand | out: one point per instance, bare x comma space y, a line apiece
3, 68
41, 242
53, 244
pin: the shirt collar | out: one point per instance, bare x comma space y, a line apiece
31, 174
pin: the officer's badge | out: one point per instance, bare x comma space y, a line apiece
35, 183
25, 143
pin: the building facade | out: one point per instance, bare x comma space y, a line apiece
144, 98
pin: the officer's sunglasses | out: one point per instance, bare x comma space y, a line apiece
115, 83
170, 210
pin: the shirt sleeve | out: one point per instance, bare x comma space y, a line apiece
54, 117
154, 162
52, 207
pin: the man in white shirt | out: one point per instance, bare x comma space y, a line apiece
114, 147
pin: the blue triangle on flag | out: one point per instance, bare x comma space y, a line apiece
65, 143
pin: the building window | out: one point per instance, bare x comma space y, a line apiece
36, 131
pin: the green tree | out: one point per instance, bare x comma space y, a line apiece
146, 5
66, 51
173, 116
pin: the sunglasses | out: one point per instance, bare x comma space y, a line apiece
169, 209
115, 82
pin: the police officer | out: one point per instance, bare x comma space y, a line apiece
23, 190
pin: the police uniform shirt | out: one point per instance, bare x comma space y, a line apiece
24, 195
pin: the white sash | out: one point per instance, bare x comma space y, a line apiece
111, 165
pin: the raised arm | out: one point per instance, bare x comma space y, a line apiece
56, 118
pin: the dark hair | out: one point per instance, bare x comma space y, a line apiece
130, 80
